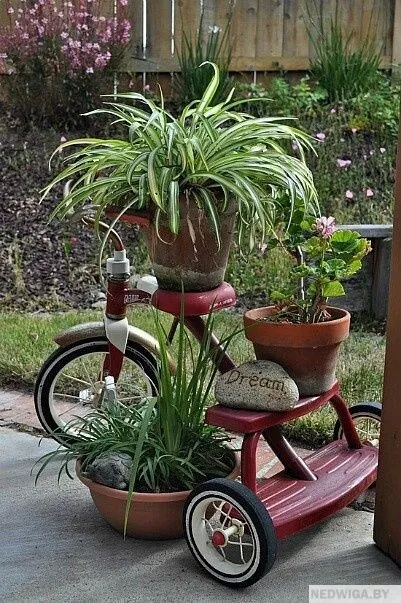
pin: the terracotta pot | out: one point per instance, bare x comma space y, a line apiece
308, 352
192, 258
152, 516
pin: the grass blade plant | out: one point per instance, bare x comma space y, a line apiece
191, 82
341, 70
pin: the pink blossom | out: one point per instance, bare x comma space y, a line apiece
343, 163
369, 192
325, 226
10, 10
123, 2
349, 194
321, 136
333, 110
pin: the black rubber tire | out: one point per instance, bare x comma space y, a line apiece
258, 520
62, 356
368, 410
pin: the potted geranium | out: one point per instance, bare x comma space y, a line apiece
140, 461
190, 178
301, 332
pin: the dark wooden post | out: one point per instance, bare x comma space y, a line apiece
387, 525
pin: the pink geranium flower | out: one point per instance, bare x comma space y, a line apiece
325, 226
369, 192
349, 194
321, 136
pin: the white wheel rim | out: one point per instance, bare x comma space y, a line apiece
85, 391
235, 562
367, 427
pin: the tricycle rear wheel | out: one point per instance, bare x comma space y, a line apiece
367, 418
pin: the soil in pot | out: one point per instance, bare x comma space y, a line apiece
308, 352
152, 516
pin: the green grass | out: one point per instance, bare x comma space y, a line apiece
27, 340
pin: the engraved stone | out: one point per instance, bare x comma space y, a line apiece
257, 385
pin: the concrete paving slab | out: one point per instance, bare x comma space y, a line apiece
55, 547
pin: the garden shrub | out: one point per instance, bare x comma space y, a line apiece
57, 56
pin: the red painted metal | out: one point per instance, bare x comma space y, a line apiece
113, 362
347, 423
196, 303
197, 326
140, 219
115, 306
247, 421
248, 460
218, 538
342, 475
293, 464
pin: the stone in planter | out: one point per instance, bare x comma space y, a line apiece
257, 385
111, 469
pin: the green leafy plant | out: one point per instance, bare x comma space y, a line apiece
341, 70
171, 447
322, 257
211, 153
213, 46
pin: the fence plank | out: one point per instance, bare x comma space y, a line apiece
187, 15
269, 41
136, 17
296, 41
159, 30
244, 28
397, 33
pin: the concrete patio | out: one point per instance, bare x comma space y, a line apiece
55, 547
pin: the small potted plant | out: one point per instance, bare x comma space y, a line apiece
301, 332
140, 461
189, 179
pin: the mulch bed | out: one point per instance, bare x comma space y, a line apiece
44, 265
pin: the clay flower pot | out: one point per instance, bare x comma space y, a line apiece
308, 352
152, 516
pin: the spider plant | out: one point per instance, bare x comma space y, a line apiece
212, 154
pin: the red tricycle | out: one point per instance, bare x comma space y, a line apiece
231, 528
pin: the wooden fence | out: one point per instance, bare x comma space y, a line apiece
266, 35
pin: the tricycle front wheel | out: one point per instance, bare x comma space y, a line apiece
229, 532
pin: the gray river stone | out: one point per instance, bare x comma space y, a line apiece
257, 385
111, 469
